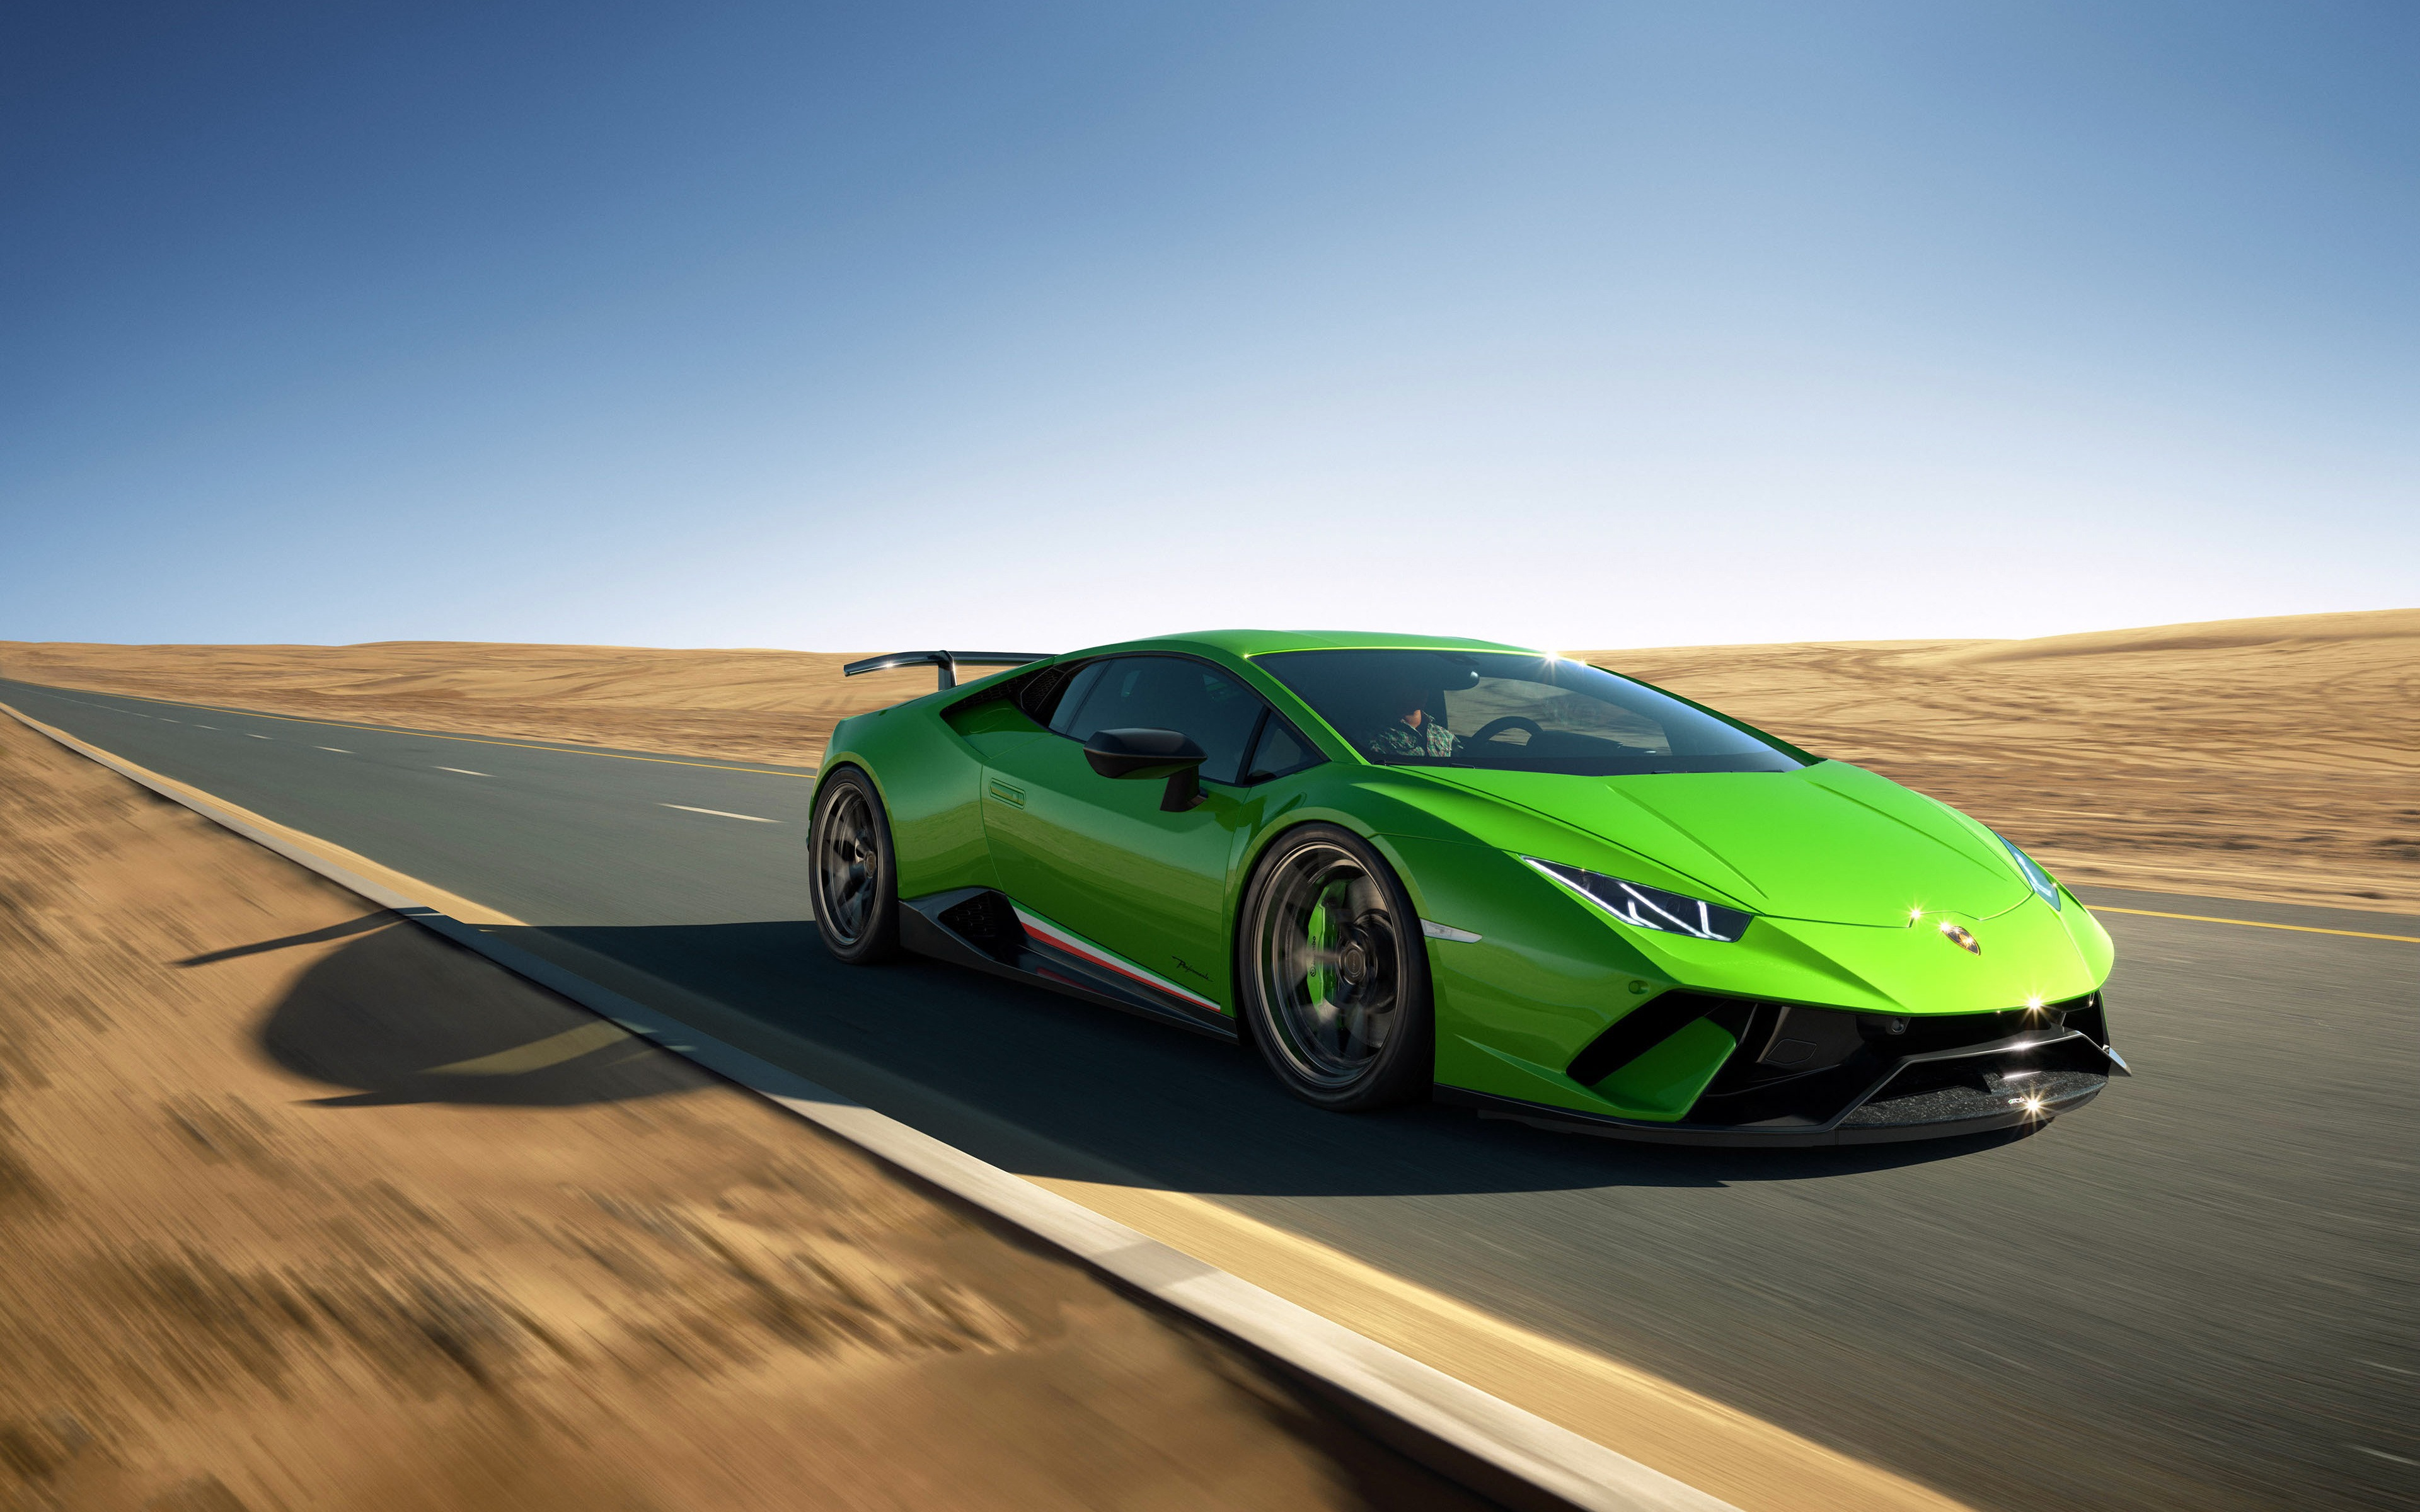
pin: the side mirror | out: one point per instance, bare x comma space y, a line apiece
1149, 754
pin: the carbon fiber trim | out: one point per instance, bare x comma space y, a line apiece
981, 927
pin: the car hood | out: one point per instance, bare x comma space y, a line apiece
1831, 843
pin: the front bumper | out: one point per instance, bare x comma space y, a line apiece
1844, 1078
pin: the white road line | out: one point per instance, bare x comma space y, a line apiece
206, 727
166, 720
338, 750
464, 770
255, 737
719, 813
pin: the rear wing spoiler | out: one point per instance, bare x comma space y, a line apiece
948, 662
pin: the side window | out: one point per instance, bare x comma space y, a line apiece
1071, 699
1165, 693
1281, 749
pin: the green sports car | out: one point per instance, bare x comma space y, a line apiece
1402, 868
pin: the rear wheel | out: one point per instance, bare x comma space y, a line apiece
856, 880
1335, 979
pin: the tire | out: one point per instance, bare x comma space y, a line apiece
854, 875
1334, 974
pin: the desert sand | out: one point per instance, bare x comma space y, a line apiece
302, 1207
2272, 759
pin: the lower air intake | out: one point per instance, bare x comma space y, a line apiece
1802, 1066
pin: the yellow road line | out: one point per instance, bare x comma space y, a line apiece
468, 740
2254, 923
538, 1054
1755, 1465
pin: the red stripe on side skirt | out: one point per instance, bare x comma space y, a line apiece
1052, 935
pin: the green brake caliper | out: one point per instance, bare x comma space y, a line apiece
1322, 931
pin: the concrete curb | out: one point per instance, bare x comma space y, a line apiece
1496, 1448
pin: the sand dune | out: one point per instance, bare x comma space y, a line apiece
765, 706
2268, 758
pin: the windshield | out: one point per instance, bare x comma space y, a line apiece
1513, 712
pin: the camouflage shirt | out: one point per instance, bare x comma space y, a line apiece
1400, 739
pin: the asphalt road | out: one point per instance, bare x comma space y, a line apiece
2198, 1292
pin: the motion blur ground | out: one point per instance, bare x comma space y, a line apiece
302, 1207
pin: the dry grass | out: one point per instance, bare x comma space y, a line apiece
2273, 758
759, 706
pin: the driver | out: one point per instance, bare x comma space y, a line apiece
1413, 733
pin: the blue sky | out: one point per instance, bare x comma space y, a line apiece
1037, 325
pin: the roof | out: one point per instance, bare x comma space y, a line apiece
1261, 642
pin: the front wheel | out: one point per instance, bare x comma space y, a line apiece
856, 879
1335, 974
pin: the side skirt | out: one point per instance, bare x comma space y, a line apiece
980, 927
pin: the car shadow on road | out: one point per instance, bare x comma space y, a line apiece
1169, 1106
400, 1015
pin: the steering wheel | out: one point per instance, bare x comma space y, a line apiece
1494, 728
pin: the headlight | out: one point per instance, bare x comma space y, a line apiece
2035, 877
1650, 907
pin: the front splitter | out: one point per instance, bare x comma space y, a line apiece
1566, 1121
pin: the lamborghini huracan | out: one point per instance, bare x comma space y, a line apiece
1402, 868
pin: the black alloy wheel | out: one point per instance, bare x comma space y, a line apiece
1334, 973
856, 880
